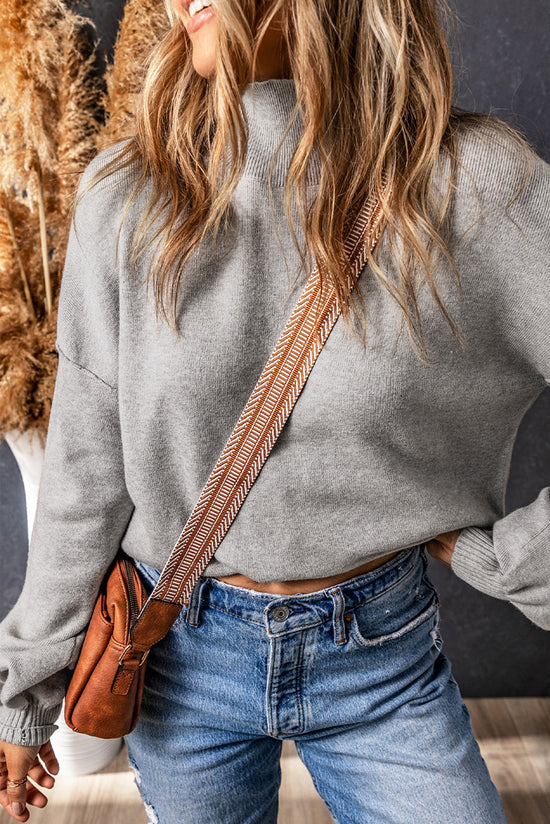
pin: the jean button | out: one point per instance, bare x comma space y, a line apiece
280, 613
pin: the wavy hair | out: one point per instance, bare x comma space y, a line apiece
374, 85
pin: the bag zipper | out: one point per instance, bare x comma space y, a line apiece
132, 599
131, 590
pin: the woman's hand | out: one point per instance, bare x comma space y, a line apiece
442, 546
18, 763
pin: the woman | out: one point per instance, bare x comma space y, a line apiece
315, 620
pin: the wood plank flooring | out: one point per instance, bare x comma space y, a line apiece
513, 735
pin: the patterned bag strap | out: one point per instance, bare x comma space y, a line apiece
263, 418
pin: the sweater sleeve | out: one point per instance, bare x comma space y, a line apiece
511, 560
83, 505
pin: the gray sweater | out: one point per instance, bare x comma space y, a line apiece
380, 452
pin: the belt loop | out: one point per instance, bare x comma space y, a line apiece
192, 613
338, 624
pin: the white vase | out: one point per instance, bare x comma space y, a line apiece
29, 454
80, 754
77, 754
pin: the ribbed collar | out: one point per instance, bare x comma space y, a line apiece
269, 105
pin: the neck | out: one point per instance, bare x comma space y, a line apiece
270, 107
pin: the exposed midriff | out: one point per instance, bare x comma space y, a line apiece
305, 585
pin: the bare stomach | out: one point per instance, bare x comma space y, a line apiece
307, 585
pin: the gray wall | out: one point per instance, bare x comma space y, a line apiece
501, 55
502, 59
501, 52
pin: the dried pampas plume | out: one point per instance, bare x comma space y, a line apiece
143, 25
51, 109
28, 45
49, 118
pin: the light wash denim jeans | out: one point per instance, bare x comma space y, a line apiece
354, 674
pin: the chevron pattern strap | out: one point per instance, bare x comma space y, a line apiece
263, 418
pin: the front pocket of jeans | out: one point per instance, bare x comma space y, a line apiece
358, 632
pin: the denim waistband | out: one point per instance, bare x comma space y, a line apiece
320, 605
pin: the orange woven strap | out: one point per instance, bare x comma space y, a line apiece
263, 418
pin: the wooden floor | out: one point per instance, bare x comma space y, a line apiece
513, 735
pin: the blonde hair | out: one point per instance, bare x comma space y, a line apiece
374, 84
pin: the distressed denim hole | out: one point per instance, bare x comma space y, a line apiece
152, 817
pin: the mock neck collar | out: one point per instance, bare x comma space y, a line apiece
269, 105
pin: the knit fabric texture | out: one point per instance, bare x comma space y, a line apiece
380, 452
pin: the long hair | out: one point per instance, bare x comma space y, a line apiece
374, 86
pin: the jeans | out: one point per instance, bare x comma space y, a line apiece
353, 674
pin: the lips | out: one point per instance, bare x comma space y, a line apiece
194, 23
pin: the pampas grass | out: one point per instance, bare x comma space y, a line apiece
143, 24
49, 118
10, 246
51, 108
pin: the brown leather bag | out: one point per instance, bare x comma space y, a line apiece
102, 659
104, 695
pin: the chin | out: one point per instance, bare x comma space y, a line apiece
204, 62
205, 70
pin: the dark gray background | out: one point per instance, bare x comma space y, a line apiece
501, 54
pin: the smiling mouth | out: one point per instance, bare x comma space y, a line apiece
198, 13
195, 7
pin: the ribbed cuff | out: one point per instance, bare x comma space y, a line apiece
474, 561
29, 727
